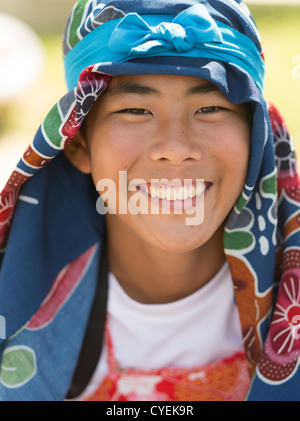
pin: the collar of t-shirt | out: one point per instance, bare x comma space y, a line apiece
195, 330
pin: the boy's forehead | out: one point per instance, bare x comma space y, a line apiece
156, 84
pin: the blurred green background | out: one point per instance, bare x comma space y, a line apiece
279, 26
280, 32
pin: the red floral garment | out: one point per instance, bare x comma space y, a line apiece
224, 380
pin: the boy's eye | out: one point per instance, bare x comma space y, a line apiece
208, 110
135, 111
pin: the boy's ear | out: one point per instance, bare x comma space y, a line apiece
77, 153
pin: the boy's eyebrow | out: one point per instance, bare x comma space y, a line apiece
131, 88
140, 89
202, 89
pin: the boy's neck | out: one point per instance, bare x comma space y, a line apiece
153, 276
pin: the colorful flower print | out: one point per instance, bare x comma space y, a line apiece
289, 188
88, 91
7, 205
252, 305
18, 366
63, 287
285, 154
282, 349
291, 258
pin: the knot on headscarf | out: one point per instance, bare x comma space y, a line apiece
174, 34
191, 28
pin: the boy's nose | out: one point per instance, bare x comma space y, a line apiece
175, 143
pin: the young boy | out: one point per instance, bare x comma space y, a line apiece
142, 262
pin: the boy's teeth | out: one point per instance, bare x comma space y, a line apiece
179, 194
171, 193
185, 193
161, 193
192, 192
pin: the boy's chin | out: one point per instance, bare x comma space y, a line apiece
179, 239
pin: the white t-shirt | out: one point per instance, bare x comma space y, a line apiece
193, 331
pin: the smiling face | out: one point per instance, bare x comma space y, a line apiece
170, 127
